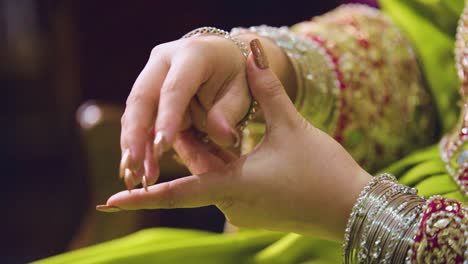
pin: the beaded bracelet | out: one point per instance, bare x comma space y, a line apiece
245, 51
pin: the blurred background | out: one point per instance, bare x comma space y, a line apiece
66, 68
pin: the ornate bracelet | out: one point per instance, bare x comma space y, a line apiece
219, 32
245, 51
391, 224
379, 222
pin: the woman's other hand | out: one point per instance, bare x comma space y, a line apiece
297, 179
191, 82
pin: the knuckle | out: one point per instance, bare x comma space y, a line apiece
195, 50
303, 124
135, 99
157, 50
272, 87
189, 43
123, 120
197, 43
169, 199
225, 203
170, 86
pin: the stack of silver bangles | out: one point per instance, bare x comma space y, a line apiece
317, 84
383, 222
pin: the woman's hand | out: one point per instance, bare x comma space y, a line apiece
297, 179
193, 82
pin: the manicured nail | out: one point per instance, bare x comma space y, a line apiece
159, 143
124, 162
144, 182
258, 52
128, 179
236, 136
107, 208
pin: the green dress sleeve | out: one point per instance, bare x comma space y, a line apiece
430, 26
359, 81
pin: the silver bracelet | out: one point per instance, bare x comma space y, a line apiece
318, 87
358, 213
381, 222
221, 33
244, 50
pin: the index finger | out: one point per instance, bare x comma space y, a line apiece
187, 192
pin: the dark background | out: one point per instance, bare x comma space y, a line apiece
55, 55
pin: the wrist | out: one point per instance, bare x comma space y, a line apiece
349, 194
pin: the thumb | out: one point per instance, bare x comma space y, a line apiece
267, 88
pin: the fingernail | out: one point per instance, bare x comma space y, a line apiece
258, 52
128, 179
236, 136
124, 162
159, 143
107, 208
144, 182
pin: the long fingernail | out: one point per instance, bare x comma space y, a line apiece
159, 143
236, 136
124, 162
128, 179
107, 208
144, 182
258, 52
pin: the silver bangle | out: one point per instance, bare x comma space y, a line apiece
358, 213
244, 50
381, 222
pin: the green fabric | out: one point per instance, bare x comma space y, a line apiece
430, 25
425, 171
162, 245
